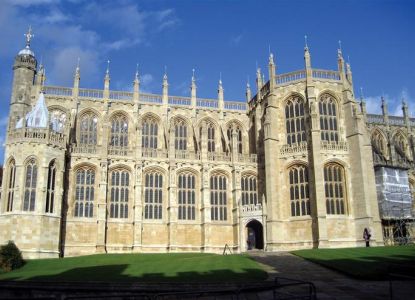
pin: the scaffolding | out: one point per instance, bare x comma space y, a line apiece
395, 205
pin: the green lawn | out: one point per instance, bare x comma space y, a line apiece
187, 267
372, 263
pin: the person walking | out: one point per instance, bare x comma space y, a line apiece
366, 237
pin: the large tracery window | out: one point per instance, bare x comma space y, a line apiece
295, 121
84, 193
149, 134
187, 196
50, 189
218, 198
401, 146
30, 186
119, 132
119, 194
57, 120
153, 196
180, 133
299, 193
88, 129
11, 185
249, 190
235, 128
334, 184
328, 119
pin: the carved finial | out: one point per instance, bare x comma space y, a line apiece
247, 83
29, 36
305, 42
340, 46
165, 72
193, 75
108, 67
361, 93
220, 78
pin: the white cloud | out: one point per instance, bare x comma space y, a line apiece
55, 16
394, 103
27, 3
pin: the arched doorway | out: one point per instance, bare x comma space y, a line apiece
255, 235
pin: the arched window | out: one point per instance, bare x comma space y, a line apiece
334, 185
119, 187
149, 134
211, 137
11, 189
295, 121
88, 129
57, 120
84, 193
401, 146
119, 132
180, 133
299, 193
186, 196
328, 119
235, 128
249, 190
218, 198
50, 190
153, 196
379, 144
30, 186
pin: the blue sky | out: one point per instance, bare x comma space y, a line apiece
227, 37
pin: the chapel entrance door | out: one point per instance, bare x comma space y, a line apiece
255, 235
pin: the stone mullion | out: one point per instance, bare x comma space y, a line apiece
138, 208
102, 210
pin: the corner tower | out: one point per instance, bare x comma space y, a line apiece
24, 71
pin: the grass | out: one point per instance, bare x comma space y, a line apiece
189, 267
372, 263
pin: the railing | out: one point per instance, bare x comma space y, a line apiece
174, 100
186, 154
296, 148
120, 151
334, 146
326, 74
90, 93
376, 119
150, 98
38, 135
291, 77
394, 120
84, 149
207, 103
217, 156
154, 153
234, 105
57, 91
119, 95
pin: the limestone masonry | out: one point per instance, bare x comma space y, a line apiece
94, 171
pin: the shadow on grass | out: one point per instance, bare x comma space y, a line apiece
117, 273
370, 267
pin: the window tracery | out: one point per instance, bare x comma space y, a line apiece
180, 133
299, 192
187, 196
149, 133
11, 189
119, 132
119, 187
153, 196
84, 192
30, 186
328, 119
334, 185
88, 129
249, 190
218, 197
295, 121
50, 189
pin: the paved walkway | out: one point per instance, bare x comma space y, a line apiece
331, 284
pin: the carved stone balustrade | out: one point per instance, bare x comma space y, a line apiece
186, 154
120, 151
294, 149
218, 156
153, 153
85, 149
251, 209
340, 146
37, 135
247, 158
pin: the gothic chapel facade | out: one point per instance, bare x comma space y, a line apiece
94, 171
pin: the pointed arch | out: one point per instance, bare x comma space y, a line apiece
50, 188
295, 119
299, 194
379, 143
400, 141
88, 127
30, 183
10, 183
119, 130
236, 127
335, 189
119, 187
84, 195
328, 106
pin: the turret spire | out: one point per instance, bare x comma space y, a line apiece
29, 36
165, 86
193, 89
220, 93
248, 91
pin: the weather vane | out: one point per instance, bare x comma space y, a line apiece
29, 36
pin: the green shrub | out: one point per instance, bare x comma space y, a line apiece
10, 257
